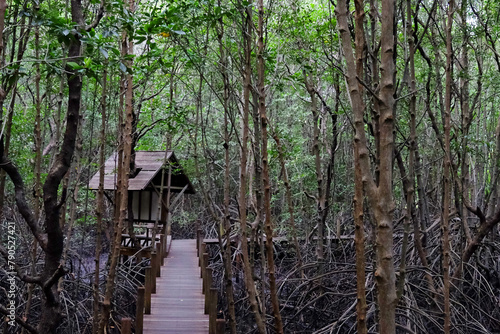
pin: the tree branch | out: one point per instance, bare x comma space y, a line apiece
374, 94
310, 196
145, 129
21, 202
485, 227
47, 286
100, 15
486, 224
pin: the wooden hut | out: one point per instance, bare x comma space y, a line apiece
145, 189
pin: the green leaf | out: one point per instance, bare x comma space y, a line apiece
123, 68
73, 65
104, 53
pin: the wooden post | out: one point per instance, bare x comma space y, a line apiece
126, 326
212, 314
165, 245
220, 326
203, 268
203, 248
139, 310
208, 286
154, 259
159, 260
148, 290
198, 235
198, 240
162, 248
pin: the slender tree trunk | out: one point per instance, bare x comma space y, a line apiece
256, 233
494, 199
265, 170
38, 129
3, 9
289, 201
124, 173
75, 179
257, 164
356, 92
359, 241
37, 169
466, 121
228, 270
242, 201
410, 177
100, 202
321, 195
381, 198
447, 172
379, 191
3, 95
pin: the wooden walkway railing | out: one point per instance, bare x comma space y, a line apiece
172, 299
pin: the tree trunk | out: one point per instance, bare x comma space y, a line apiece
289, 201
242, 201
359, 241
321, 194
447, 173
409, 178
37, 168
52, 313
265, 169
379, 191
123, 176
100, 202
228, 268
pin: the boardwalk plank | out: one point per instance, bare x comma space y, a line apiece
178, 305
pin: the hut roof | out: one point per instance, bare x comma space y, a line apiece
149, 164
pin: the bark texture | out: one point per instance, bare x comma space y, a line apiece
242, 200
265, 171
378, 189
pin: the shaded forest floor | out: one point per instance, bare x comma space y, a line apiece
318, 298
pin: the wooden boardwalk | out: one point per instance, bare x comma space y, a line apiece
178, 305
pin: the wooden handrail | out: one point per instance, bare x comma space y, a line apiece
162, 249
202, 250
212, 314
220, 326
154, 259
139, 311
159, 260
198, 239
148, 288
126, 326
204, 271
207, 285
